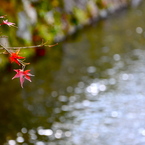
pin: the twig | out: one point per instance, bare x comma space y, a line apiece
3, 47
29, 46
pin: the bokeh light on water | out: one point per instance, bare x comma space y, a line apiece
86, 90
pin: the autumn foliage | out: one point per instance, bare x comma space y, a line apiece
15, 57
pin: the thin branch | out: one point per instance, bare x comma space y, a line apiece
29, 46
3, 47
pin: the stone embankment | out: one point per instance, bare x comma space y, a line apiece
64, 17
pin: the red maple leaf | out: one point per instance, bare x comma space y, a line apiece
14, 57
6, 22
22, 75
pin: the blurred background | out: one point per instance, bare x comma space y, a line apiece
87, 90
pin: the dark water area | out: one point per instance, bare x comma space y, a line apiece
87, 90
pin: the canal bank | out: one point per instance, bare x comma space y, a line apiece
54, 20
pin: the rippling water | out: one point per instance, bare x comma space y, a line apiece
88, 90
